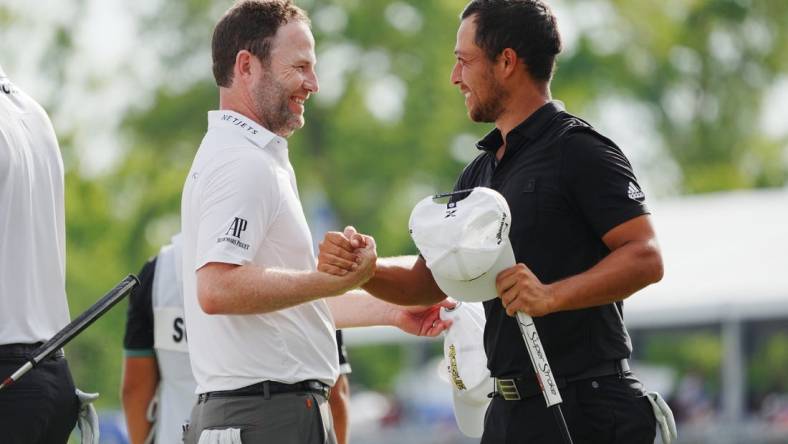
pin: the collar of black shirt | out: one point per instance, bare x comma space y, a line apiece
529, 129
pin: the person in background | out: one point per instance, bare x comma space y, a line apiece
42, 407
339, 399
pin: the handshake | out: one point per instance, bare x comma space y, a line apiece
348, 255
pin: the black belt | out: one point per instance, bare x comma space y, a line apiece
521, 388
25, 351
268, 388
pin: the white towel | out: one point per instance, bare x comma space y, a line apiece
222, 436
667, 425
87, 421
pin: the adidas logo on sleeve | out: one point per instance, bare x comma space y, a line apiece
634, 192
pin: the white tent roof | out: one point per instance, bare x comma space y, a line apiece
725, 256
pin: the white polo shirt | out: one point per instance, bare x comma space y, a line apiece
240, 205
33, 303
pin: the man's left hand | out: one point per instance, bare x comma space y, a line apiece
520, 290
423, 321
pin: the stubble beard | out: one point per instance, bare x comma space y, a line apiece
490, 109
271, 101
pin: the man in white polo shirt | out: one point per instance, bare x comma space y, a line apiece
261, 335
158, 386
42, 406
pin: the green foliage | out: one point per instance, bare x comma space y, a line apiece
768, 371
703, 65
376, 366
700, 67
366, 166
696, 352
5, 15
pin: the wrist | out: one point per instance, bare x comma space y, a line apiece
369, 286
390, 315
328, 285
554, 301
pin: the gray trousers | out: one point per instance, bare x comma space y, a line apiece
286, 418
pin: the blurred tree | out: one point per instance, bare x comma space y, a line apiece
376, 366
387, 127
703, 68
768, 369
688, 351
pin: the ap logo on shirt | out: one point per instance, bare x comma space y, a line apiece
233, 234
237, 227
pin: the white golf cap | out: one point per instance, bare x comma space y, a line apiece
465, 243
465, 366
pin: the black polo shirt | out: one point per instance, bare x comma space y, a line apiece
566, 186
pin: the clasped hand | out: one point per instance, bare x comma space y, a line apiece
344, 253
349, 255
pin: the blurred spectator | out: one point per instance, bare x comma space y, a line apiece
692, 402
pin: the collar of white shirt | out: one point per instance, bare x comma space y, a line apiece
248, 128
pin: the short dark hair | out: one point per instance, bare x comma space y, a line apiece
527, 26
249, 25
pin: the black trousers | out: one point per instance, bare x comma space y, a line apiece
40, 408
604, 410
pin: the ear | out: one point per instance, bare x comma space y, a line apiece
243, 68
508, 62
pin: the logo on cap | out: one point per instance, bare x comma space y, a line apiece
7, 88
451, 210
455, 374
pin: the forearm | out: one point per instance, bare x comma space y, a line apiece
339, 402
247, 289
404, 280
140, 379
360, 309
624, 271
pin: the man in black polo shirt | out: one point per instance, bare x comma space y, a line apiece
580, 232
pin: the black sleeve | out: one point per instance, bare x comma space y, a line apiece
139, 316
344, 363
600, 181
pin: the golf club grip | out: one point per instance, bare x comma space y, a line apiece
82, 321
539, 359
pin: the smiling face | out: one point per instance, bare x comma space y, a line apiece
473, 74
285, 83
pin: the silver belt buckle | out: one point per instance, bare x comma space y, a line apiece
321, 388
508, 389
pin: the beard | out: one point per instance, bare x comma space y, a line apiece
489, 109
271, 103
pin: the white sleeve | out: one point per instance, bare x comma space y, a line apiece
238, 204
